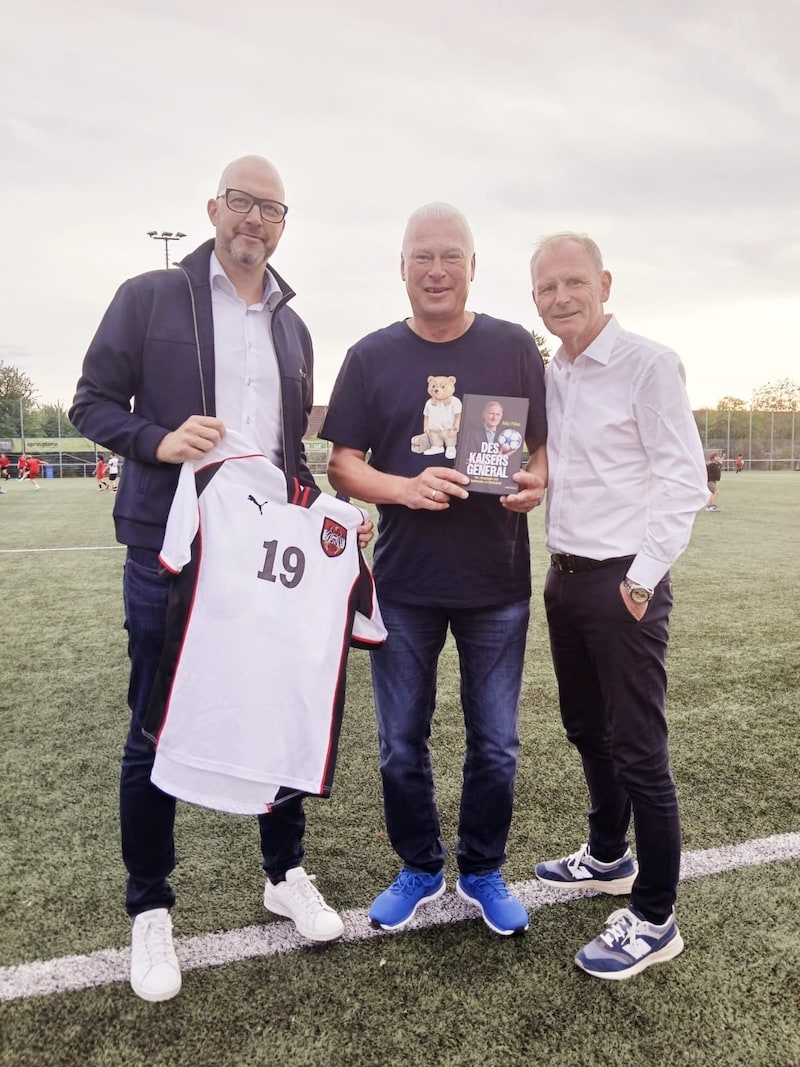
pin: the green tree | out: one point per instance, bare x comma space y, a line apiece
17, 399
732, 403
47, 420
541, 344
783, 395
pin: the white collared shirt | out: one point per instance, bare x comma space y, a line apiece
626, 467
247, 383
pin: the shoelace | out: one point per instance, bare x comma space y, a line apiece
575, 861
407, 883
621, 928
494, 884
310, 897
157, 941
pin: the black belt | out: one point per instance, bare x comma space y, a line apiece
568, 564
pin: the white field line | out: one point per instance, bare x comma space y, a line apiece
101, 968
79, 548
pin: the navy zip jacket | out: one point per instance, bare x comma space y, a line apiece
151, 365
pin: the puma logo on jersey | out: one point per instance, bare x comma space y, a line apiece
259, 506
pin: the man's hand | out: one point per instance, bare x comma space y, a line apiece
365, 533
193, 438
531, 491
432, 490
636, 609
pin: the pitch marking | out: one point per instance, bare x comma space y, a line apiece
70, 973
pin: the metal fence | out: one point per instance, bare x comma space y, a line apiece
766, 440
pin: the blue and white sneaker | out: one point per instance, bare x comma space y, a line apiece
582, 870
629, 944
501, 910
397, 905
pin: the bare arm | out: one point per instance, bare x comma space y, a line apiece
431, 490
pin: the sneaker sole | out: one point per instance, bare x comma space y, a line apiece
674, 948
376, 924
517, 931
278, 909
156, 998
615, 887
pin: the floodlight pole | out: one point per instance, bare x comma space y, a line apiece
166, 236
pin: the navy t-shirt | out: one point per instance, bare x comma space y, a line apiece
476, 553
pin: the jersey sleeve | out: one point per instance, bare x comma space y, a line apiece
182, 523
368, 629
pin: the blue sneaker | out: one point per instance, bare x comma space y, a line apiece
581, 870
501, 910
629, 944
398, 904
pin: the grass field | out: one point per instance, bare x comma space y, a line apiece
447, 992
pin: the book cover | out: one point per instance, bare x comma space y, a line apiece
491, 437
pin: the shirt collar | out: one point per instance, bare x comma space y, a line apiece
219, 279
600, 348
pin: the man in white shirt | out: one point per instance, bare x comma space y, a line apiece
207, 348
627, 476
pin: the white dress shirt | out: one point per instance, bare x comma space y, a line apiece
626, 467
247, 384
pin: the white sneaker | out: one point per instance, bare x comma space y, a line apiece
299, 899
155, 972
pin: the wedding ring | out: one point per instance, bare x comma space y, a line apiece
433, 494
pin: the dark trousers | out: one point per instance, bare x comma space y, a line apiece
612, 688
147, 816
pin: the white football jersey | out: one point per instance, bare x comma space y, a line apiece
270, 591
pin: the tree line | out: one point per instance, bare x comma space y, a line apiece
21, 412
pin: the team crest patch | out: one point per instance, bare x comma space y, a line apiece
333, 538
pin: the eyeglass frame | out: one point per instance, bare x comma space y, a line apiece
257, 202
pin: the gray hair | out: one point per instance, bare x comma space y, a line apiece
582, 239
438, 211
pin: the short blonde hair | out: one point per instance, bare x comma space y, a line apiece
582, 239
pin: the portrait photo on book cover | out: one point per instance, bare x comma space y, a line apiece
490, 440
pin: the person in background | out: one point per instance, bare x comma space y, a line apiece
626, 478
713, 476
113, 471
5, 463
445, 559
22, 464
32, 470
739, 463
241, 359
100, 474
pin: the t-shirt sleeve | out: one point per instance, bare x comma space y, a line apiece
347, 420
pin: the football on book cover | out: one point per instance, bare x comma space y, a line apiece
491, 437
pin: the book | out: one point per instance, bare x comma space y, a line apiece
491, 438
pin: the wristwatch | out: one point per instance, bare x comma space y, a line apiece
639, 594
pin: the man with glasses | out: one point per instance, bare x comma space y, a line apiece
209, 347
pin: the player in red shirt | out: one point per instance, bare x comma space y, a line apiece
100, 471
32, 469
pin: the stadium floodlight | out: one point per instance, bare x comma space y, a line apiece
166, 236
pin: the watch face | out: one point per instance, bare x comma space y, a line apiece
639, 595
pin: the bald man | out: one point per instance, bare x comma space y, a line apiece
205, 348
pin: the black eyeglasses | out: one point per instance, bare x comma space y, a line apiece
242, 204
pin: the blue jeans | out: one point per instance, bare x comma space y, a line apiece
147, 816
612, 682
491, 651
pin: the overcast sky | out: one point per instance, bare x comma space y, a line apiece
669, 132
